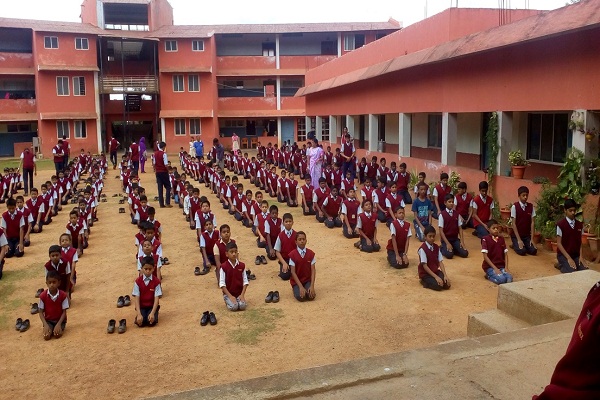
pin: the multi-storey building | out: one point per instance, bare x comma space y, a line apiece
127, 71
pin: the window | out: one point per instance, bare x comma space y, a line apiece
80, 130
78, 86
195, 126
193, 83
434, 131
178, 83
329, 48
179, 127
548, 137
325, 129
301, 129
171, 45
62, 129
197, 45
81, 44
50, 42
352, 42
268, 49
62, 85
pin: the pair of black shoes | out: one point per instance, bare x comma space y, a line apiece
272, 297
203, 271
250, 275
208, 316
22, 325
112, 325
260, 260
123, 301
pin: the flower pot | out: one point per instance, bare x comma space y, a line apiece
537, 237
589, 136
505, 213
585, 237
548, 244
554, 246
593, 242
517, 171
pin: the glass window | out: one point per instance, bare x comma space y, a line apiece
197, 45
301, 129
195, 126
178, 83
325, 129
80, 130
179, 127
62, 85
62, 129
79, 86
81, 44
548, 136
193, 83
171, 45
434, 131
50, 42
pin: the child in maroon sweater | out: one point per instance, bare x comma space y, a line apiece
53, 307
568, 237
147, 292
495, 255
233, 280
12, 222
522, 214
303, 270
285, 243
431, 263
367, 229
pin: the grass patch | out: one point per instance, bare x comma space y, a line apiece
9, 284
255, 322
42, 165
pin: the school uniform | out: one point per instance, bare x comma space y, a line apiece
350, 209
523, 215
482, 206
238, 202
400, 231
393, 201
291, 186
260, 221
36, 206
331, 207
379, 196
462, 204
76, 231
53, 306
431, 255
12, 223
319, 196
63, 268
69, 254
570, 232
449, 222
367, 223
302, 260
3, 242
366, 193
440, 191
272, 229
234, 278
285, 243
147, 289
202, 217
402, 182
307, 202
207, 241
157, 263
495, 247
281, 188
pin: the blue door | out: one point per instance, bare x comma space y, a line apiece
288, 127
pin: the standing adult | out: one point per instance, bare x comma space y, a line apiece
59, 156
134, 156
349, 154
192, 149
315, 154
160, 162
143, 155
27, 165
67, 149
218, 153
235, 143
199, 147
113, 146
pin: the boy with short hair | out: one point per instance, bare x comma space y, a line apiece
53, 307
319, 196
12, 222
451, 233
568, 238
291, 188
440, 191
285, 243
62, 267
422, 209
462, 204
397, 246
522, 214
482, 206
233, 280
331, 209
403, 182
272, 230
349, 212
146, 294
220, 248
306, 192
303, 270
495, 255
208, 238
367, 228
432, 273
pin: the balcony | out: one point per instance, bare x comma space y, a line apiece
18, 110
137, 84
301, 64
246, 66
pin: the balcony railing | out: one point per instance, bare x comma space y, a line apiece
128, 84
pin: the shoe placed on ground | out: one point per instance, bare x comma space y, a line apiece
34, 308
24, 326
269, 298
165, 261
357, 244
257, 260
111, 326
122, 201
120, 302
250, 275
38, 293
276, 297
197, 271
212, 318
18, 324
121, 210
122, 325
115, 195
205, 318
126, 301
263, 260
155, 198
205, 271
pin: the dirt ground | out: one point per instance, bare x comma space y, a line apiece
363, 308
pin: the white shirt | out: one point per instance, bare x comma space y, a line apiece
302, 253
474, 205
423, 256
571, 223
222, 275
513, 210
359, 221
64, 305
277, 246
441, 219
147, 280
393, 228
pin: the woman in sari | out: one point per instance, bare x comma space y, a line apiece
143, 154
315, 161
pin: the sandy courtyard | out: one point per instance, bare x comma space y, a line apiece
363, 308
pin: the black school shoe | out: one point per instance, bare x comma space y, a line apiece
205, 271
18, 324
120, 301
111, 326
250, 275
212, 318
269, 298
122, 326
276, 297
205, 318
263, 260
197, 271
24, 326
126, 301
257, 260
34, 308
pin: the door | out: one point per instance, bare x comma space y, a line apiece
287, 130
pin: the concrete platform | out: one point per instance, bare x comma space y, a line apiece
493, 321
511, 365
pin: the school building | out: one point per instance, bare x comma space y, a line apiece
127, 71
424, 95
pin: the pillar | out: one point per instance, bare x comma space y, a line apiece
99, 134
319, 128
372, 131
449, 130
350, 125
333, 129
404, 134
279, 134
505, 140
162, 130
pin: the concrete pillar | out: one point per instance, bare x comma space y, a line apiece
404, 134
99, 133
449, 130
372, 131
278, 92
162, 130
333, 129
279, 137
277, 51
350, 126
505, 140
319, 128
339, 44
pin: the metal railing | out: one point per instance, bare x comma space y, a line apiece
128, 84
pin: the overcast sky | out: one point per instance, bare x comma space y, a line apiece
190, 12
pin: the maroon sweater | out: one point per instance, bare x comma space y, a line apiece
352, 211
432, 260
400, 237
53, 308
368, 224
234, 277
523, 219
450, 224
147, 292
287, 244
302, 265
496, 249
571, 237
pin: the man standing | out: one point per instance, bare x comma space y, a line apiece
199, 147
59, 156
218, 153
160, 162
348, 153
134, 151
67, 149
28, 167
113, 145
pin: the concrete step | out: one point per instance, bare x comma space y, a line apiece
549, 299
493, 321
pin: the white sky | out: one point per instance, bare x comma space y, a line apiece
191, 12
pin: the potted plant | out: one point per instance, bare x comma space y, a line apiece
590, 134
505, 212
518, 163
548, 232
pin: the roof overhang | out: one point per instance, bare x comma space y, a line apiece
261, 113
191, 68
18, 117
17, 71
43, 67
262, 72
186, 114
67, 115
